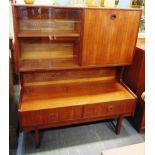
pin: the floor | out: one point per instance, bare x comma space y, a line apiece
86, 139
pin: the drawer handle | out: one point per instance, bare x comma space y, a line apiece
53, 116
113, 16
110, 108
50, 37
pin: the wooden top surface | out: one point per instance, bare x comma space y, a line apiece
63, 95
72, 6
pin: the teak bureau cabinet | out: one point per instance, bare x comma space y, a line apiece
70, 61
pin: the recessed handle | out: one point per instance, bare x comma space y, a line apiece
110, 108
113, 16
53, 116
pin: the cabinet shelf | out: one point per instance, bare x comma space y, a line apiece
47, 27
47, 56
36, 51
48, 64
39, 33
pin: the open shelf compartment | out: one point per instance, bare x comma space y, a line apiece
43, 53
63, 95
46, 90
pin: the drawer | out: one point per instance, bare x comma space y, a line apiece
64, 114
30, 118
43, 117
104, 109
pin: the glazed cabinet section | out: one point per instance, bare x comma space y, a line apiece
47, 38
56, 38
109, 36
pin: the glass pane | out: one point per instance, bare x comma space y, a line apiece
48, 37
48, 21
43, 53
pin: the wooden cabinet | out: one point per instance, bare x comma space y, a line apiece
134, 77
56, 47
109, 36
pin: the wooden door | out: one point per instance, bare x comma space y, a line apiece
109, 36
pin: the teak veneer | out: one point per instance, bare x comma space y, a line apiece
49, 99
70, 61
72, 94
134, 77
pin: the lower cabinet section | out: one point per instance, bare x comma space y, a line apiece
74, 104
78, 113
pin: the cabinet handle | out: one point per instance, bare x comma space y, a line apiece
110, 108
53, 115
50, 37
113, 16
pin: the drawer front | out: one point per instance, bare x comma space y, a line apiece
42, 117
105, 109
64, 114
31, 118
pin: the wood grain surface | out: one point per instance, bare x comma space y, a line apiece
109, 41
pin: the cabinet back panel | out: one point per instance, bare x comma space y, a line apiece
46, 25
43, 53
46, 51
68, 76
109, 41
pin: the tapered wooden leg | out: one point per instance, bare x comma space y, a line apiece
36, 137
119, 124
